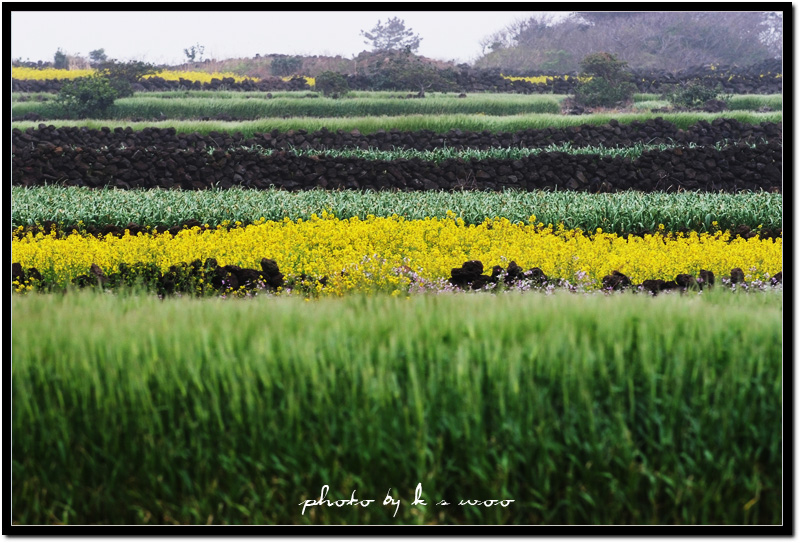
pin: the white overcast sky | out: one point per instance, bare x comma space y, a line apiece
160, 37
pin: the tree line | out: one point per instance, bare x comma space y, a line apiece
668, 41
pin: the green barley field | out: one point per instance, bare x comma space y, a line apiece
601, 409
409, 123
621, 213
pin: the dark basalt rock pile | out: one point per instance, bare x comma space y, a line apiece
732, 169
614, 134
470, 276
756, 79
195, 278
158, 84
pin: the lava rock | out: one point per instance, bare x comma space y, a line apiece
98, 274
653, 285
514, 271
686, 281
706, 279
616, 281
16, 272
737, 276
465, 275
537, 276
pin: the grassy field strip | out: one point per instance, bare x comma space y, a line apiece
441, 154
641, 100
194, 108
497, 153
434, 123
756, 101
135, 410
619, 213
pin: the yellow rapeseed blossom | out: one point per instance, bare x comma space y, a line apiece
369, 251
310, 80
202, 77
20, 72
539, 79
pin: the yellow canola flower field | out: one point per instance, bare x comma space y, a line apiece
202, 77
539, 79
311, 81
371, 250
18, 72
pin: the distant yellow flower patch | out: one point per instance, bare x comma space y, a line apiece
202, 77
170, 75
543, 79
19, 72
310, 80
370, 250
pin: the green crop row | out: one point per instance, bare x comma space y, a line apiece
741, 102
622, 213
410, 123
132, 410
441, 154
753, 102
492, 100
496, 153
245, 108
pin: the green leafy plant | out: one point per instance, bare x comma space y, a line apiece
393, 36
87, 97
332, 84
60, 61
402, 70
609, 85
97, 56
693, 95
122, 74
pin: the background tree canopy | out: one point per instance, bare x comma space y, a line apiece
652, 40
393, 36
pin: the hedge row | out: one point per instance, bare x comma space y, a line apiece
757, 79
733, 168
613, 134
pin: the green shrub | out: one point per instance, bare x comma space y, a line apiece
600, 92
609, 84
332, 84
121, 74
692, 95
87, 97
60, 61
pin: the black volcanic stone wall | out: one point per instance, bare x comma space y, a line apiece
734, 168
757, 79
158, 84
612, 134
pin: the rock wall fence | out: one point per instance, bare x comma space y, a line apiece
734, 168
